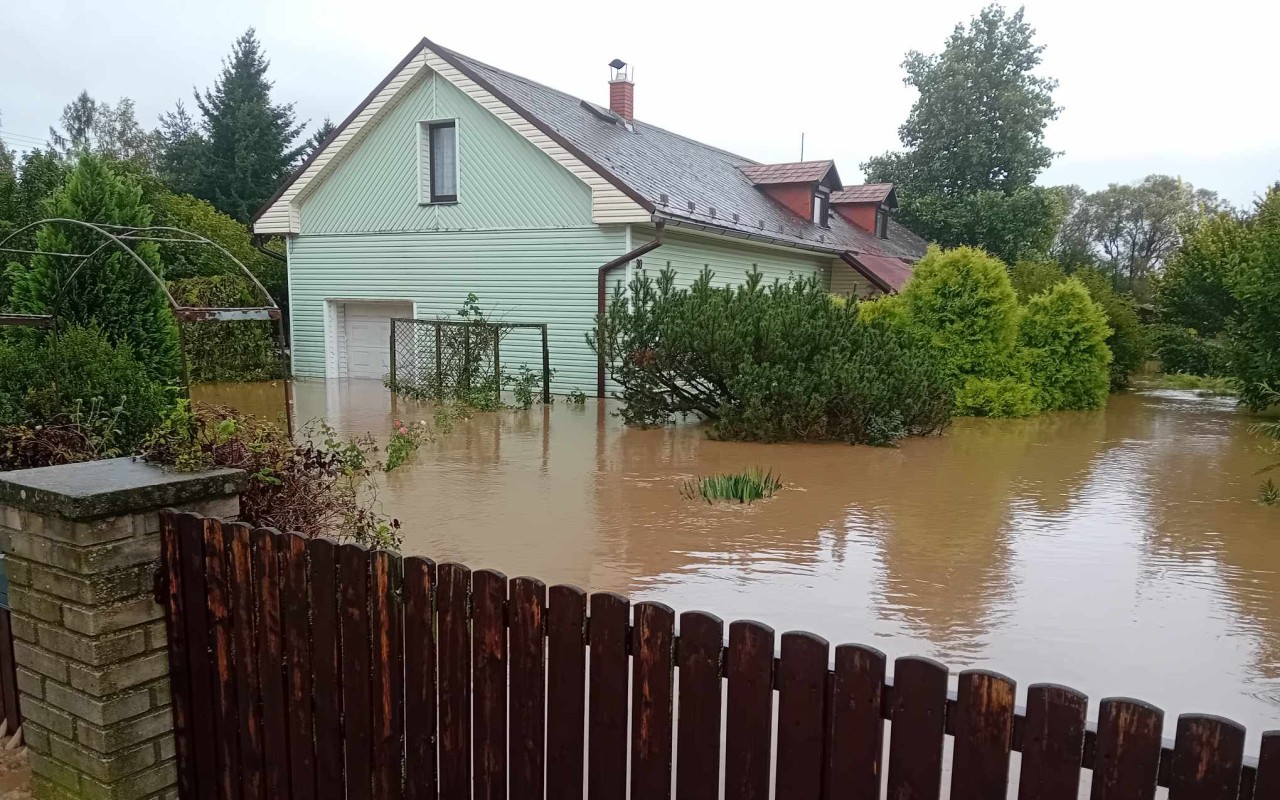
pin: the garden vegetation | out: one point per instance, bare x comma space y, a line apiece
768, 363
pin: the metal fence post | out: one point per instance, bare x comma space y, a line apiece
497, 365
391, 364
439, 362
546, 368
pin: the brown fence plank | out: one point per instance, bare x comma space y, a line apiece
1052, 743
9, 673
297, 665
388, 674
226, 717
326, 664
1208, 753
528, 687
802, 698
353, 577
454, 680
855, 738
918, 711
1127, 757
179, 680
266, 545
607, 703
489, 665
1267, 782
749, 716
566, 690
698, 738
651, 696
983, 734
244, 642
199, 668
420, 679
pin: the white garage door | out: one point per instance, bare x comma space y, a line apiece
364, 351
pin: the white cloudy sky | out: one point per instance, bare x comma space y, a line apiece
1148, 85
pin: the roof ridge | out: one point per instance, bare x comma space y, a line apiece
477, 62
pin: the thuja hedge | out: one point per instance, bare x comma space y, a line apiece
1005, 359
775, 362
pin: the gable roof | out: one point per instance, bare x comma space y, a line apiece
667, 175
866, 193
795, 172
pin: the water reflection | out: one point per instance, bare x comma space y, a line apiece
1118, 551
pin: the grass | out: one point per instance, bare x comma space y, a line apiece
1206, 385
739, 487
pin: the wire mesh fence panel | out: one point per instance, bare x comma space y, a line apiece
470, 362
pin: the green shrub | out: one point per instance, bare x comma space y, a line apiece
997, 397
80, 375
112, 291
1128, 341
1030, 278
965, 302
1063, 343
768, 363
226, 351
1185, 351
738, 487
1255, 330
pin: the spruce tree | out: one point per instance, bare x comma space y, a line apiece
250, 146
111, 291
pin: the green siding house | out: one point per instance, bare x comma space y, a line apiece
454, 177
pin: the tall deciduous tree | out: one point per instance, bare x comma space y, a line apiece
1131, 229
250, 139
91, 126
974, 141
111, 291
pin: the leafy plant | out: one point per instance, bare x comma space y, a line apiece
226, 351
523, 385
1269, 493
1063, 342
577, 398
739, 487
1205, 385
767, 363
405, 439
321, 486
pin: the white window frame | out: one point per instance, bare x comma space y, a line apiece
424, 152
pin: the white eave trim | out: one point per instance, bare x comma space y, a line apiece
609, 204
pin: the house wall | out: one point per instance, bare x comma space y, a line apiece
504, 181
729, 259
845, 281
519, 276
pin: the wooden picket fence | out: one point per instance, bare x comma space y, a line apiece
306, 669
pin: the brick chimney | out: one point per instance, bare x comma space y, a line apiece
622, 91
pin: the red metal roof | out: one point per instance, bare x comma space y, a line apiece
890, 274
796, 172
866, 193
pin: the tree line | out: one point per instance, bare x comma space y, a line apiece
973, 148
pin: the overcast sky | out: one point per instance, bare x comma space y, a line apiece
1147, 85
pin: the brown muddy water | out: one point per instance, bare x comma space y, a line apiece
1120, 552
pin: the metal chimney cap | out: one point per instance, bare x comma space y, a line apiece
617, 63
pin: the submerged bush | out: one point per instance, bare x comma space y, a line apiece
1185, 351
80, 381
226, 351
768, 363
1063, 342
739, 487
322, 486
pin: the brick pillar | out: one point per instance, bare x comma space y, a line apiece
82, 548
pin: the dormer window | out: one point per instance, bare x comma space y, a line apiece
882, 222
821, 206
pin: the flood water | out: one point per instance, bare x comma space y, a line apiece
1120, 552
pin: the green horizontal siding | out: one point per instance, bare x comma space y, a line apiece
520, 276
504, 182
729, 259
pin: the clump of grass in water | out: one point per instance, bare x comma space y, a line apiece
741, 487
1269, 494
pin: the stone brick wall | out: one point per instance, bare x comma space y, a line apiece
90, 639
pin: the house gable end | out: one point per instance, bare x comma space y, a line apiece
282, 213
